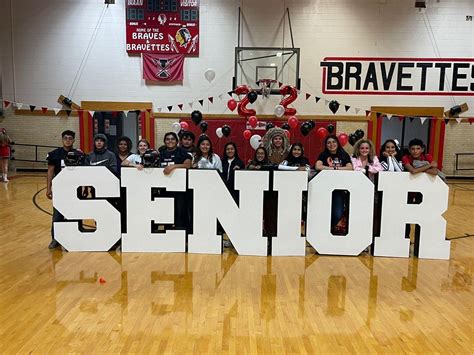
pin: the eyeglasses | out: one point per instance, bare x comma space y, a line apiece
68, 138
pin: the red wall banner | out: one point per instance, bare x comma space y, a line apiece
162, 26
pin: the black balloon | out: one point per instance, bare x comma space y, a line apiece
286, 126
226, 130
359, 133
305, 128
334, 106
196, 117
269, 125
252, 96
311, 124
330, 128
352, 139
203, 126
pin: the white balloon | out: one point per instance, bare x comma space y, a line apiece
219, 132
255, 141
210, 74
176, 127
279, 110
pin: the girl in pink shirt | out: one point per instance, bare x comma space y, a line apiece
364, 159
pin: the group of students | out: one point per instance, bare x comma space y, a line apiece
274, 153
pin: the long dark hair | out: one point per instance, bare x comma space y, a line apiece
382, 149
198, 154
126, 140
340, 151
256, 162
297, 161
236, 155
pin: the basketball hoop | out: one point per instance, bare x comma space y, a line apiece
266, 86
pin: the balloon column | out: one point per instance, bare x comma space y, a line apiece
242, 105
291, 94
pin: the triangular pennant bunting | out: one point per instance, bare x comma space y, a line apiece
400, 118
191, 104
159, 109
326, 102
458, 119
44, 109
470, 120
32, 108
92, 113
378, 114
308, 96
126, 112
220, 96
280, 84
389, 116
56, 110
230, 93
6, 103
211, 99
347, 107
317, 99
201, 102
367, 112
18, 105
180, 106
423, 119
68, 112
411, 119
169, 108
357, 110
446, 121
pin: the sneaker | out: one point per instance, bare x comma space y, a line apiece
54, 244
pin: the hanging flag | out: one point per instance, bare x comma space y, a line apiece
367, 112
411, 119
44, 109
308, 96
458, 119
317, 99
92, 113
389, 116
163, 67
18, 105
470, 120
32, 108
180, 106
201, 102
169, 108
423, 119
68, 112
230, 93
191, 104
211, 99
357, 110
159, 109
56, 110
220, 96
400, 118
347, 107
6, 103
126, 112
446, 121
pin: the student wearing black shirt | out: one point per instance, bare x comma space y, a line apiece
186, 141
335, 158
174, 157
230, 163
57, 160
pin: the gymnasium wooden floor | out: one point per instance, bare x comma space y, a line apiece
54, 301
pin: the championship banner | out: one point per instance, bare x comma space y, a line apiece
163, 67
162, 26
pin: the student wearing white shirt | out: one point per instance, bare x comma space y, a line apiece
205, 158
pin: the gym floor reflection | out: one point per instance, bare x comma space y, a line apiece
153, 302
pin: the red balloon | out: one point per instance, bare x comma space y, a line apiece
293, 121
322, 132
242, 109
253, 121
232, 104
184, 126
292, 93
287, 133
343, 138
247, 134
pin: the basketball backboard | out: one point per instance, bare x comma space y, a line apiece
253, 64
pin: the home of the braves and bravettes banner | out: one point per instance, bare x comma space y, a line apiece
163, 26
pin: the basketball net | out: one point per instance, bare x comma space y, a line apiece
266, 86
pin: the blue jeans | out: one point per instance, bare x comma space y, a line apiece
337, 207
57, 217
